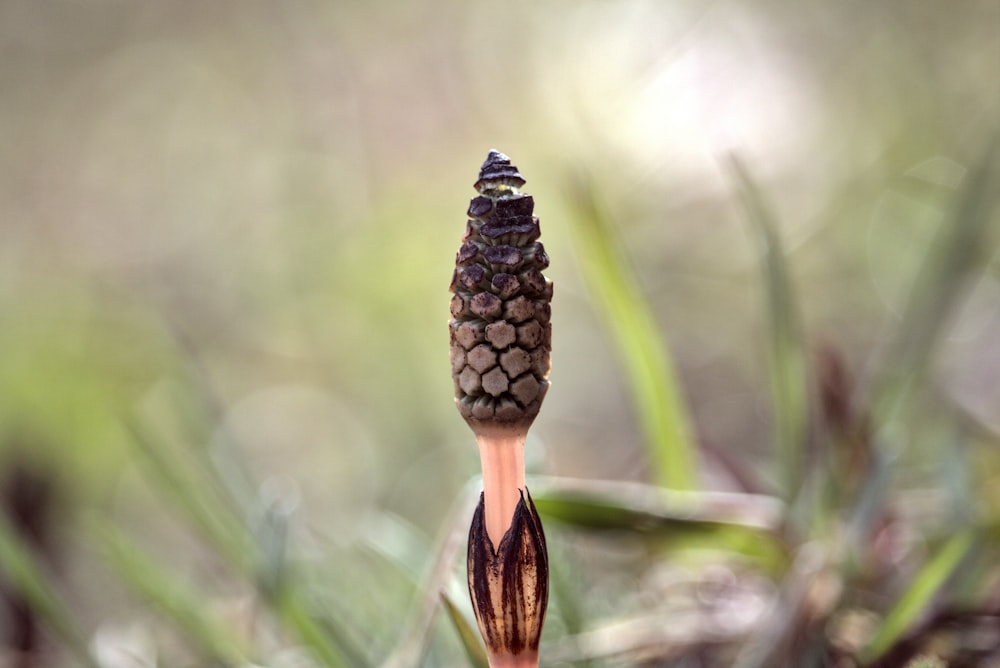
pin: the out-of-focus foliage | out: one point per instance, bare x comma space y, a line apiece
226, 234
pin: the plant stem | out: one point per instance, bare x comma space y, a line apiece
501, 452
523, 660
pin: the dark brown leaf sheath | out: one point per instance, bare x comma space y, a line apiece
510, 586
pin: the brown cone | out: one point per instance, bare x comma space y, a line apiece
501, 335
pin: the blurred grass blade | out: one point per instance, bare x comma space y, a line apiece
272, 539
919, 594
277, 583
25, 576
651, 375
322, 639
177, 601
231, 538
794, 610
565, 591
468, 635
967, 238
203, 407
602, 504
786, 363
225, 532
872, 499
416, 637
741, 523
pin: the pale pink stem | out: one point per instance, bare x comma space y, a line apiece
502, 457
522, 660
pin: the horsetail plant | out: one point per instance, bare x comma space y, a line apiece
501, 340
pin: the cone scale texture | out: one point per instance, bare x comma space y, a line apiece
501, 335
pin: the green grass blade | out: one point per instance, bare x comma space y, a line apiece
295, 616
624, 505
786, 361
652, 379
189, 494
25, 576
739, 523
230, 536
468, 636
968, 238
177, 601
922, 590
416, 636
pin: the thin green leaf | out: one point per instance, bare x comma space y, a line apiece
958, 252
295, 616
229, 535
189, 494
786, 363
24, 575
564, 586
416, 636
469, 636
272, 540
223, 464
921, 591
740, 523
177, 601
627, 505
653, 381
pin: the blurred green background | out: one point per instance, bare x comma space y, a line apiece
227, 231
